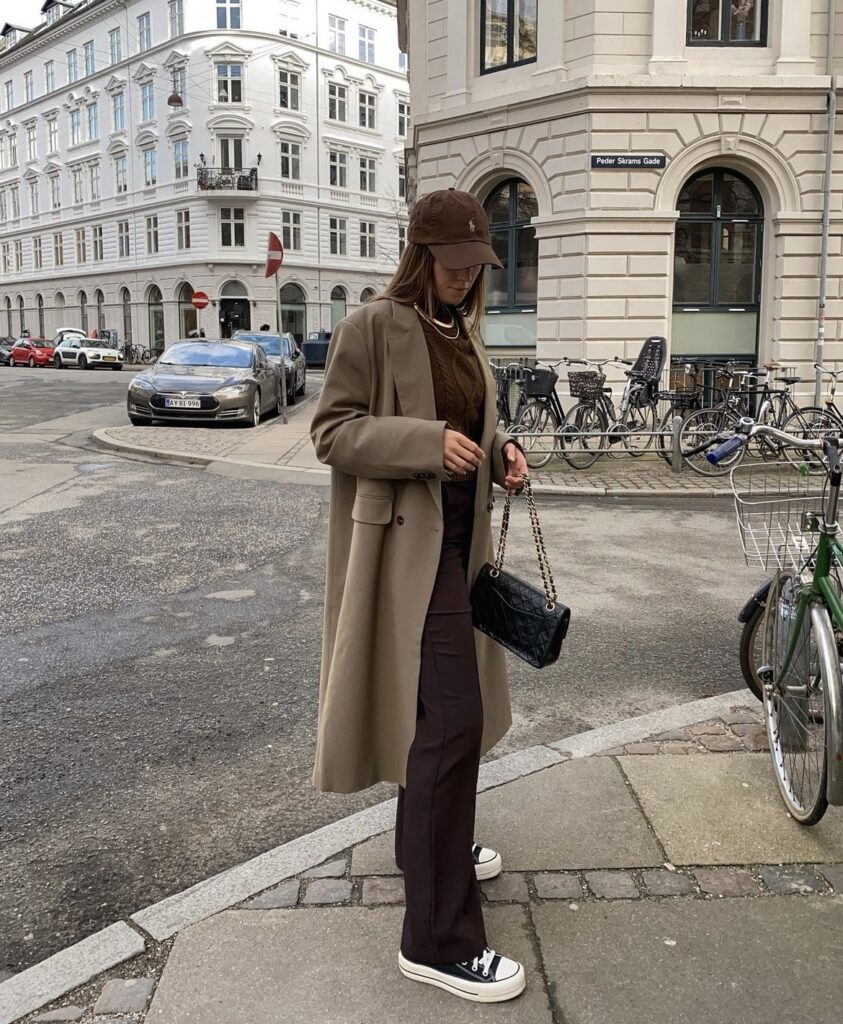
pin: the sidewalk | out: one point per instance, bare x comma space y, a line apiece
651, 876
283, 451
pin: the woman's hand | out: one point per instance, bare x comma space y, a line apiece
460, 454
516, 467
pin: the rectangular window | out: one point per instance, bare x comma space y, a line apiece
508, 33
58, 249
232, 227
7, 263
31, 142
54, 13
367, 239
28, 86
9, 90
75, 127
727, 22
118, 111
96, 243
124, 249
37, 253
78, 184
183, 229
289, 90
337, 102
176, 18
94, 181
150, 167
402, 180
115, 47
367, 174
291, 230
121, 175
291, 161
339, 236
81, 246
93, 121
231, 153
403, 118
180, 83
402, 238
72, 66
144, 32
55, 192
228, 13
19, 255
34, 198
13, 150
402, 62
147, 102
366, 45
229, 83
367, 109
152, 235
90, 59
180, 159
338, 169
14, 201
3, 210
49, 76
336, 34
52, 135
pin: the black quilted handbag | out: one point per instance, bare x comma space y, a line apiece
525, 620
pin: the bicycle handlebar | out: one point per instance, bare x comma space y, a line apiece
825, 369
748, 428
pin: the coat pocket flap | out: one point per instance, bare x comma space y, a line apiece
372, 508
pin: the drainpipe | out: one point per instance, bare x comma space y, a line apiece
829, 157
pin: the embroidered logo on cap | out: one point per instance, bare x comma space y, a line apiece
471, 226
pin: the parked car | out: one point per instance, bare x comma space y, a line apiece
316, 348
207, 380
67, 332
31, 352
6, 345
296, 368
87, 354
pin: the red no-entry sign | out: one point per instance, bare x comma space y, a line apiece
200, 300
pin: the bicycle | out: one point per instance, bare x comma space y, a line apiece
781, 510
815, 421
687, 395
508, 378
537, 423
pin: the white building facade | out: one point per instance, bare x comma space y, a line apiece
117, 203
651, 167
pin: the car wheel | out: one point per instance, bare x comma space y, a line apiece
83, 363
256, 410
31, 363
303, 382
279, 403
59, 365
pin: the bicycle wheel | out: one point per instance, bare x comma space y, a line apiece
538, 419
795, 697
703, 430
638, 426
810, 422
582, 432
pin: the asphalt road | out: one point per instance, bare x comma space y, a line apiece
159, 665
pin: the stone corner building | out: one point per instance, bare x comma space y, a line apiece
715, 243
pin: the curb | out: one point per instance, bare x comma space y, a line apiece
80, 963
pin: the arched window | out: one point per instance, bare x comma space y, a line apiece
99, 299
155, 303
510, 209
294, 312
717, 265
188, 321
338, 305
39, 302
83, 311
21, 314
367, 293
9, 317
126, 304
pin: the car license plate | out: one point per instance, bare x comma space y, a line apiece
109, 359
182, 403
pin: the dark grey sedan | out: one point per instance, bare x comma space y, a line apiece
206, 380
296, 368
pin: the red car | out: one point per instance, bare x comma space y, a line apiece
31, 352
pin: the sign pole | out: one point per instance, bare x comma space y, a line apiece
281, 339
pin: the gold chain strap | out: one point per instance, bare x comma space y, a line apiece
541, 553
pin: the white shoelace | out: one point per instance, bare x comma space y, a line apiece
484, 960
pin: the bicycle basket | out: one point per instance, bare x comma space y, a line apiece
586, 385
776, 506
540, 382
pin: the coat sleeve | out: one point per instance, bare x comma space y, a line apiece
346, 435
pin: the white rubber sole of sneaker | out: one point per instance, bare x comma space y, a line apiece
477, 992
491, 869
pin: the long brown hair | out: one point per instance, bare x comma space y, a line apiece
414, 283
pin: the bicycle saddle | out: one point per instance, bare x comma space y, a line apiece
788, 380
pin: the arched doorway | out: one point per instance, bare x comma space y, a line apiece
338, 305
294, 312
39, 302
22, 315
717, 267
235, 313
60, 307
99, 299
83, 311
366, 294
188, 315
155, 305
126, 306
511, 291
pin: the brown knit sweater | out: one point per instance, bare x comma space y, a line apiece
458, 383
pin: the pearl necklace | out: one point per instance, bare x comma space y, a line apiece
436, 324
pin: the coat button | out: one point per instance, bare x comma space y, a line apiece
490, 506
400, 520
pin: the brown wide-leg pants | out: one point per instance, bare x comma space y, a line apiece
434, 829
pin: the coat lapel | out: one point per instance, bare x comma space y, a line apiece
411, 364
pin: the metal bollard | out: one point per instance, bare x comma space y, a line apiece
676, 447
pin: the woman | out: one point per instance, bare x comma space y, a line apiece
410, 692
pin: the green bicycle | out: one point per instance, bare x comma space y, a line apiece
788, 522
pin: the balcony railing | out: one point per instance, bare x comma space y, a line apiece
215, 179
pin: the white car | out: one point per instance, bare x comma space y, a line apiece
86, 353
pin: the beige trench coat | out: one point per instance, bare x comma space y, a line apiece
375, 425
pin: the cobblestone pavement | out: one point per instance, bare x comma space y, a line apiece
127, 990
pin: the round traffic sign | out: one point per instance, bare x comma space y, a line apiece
200, 300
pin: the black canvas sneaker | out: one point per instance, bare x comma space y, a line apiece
487, 863
488, 978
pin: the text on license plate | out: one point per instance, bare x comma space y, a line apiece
182, 403
109, 359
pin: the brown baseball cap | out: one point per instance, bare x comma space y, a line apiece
454, 226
